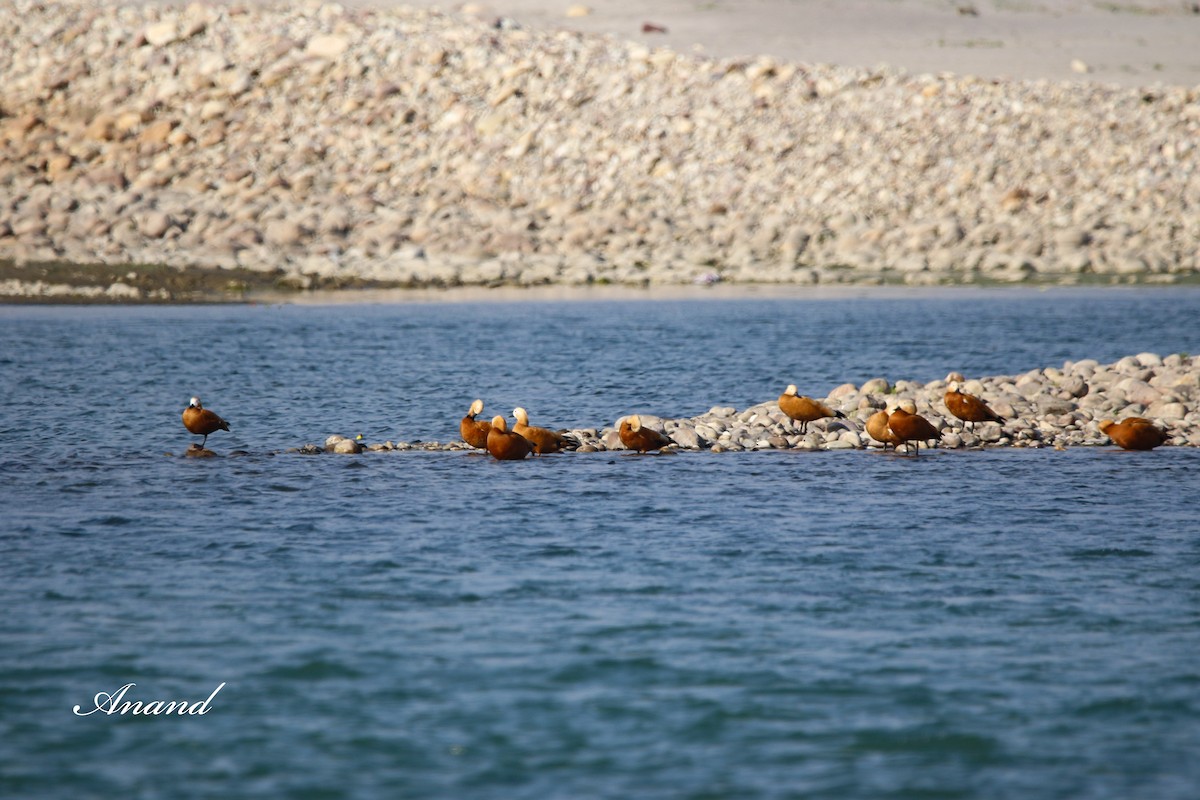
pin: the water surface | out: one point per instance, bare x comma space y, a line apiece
992, 624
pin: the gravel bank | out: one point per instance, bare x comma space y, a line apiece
403, 147
1051, 407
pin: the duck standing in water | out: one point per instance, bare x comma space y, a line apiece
804, 409
908, 426
201, 422
475, 431
543, 440
642, 439
505, 445
969, 408
877, 429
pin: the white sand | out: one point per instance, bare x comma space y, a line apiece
1126, 42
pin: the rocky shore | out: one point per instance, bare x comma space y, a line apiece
1051, 407
324, 146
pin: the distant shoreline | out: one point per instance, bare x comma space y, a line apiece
285, 147
74, 284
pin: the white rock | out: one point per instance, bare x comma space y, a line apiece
327, 46
685, 437
1149, 359
348, 446
283, 233
154, 224
161, 33
1166, 411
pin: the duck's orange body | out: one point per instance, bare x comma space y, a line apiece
877, 429
908, 427
969, 408
506, 445
636, 437
543, 440
475, 431
1134, 433
804, 409
201, 422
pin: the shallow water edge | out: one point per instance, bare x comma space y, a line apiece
66, 283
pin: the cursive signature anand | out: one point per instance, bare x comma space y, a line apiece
115, 703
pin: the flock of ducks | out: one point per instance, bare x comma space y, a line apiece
900, 426
506, 445
523, 439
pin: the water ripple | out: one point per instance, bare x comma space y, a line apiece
984, 624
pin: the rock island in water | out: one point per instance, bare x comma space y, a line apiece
1051, 407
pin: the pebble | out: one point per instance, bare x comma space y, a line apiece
324, 139
196, 451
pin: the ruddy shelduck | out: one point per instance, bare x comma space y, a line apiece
804, 409
504, 444
637, 437
877, 429
1133, 433
969, 408
200, 421
543, 440
908, 426
475, 431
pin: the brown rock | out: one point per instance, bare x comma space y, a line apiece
214, 134
130, 120
102, 128
179, 137
57, 165
19, 127
157, 132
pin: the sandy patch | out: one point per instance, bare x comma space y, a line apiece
1126, 42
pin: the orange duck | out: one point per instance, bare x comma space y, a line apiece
877, 429
475, 431
504, 444
543, 440
200, 421
968, 407
641, 439
804, 409
908, 426
1133, 433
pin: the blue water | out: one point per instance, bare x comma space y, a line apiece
982, 624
